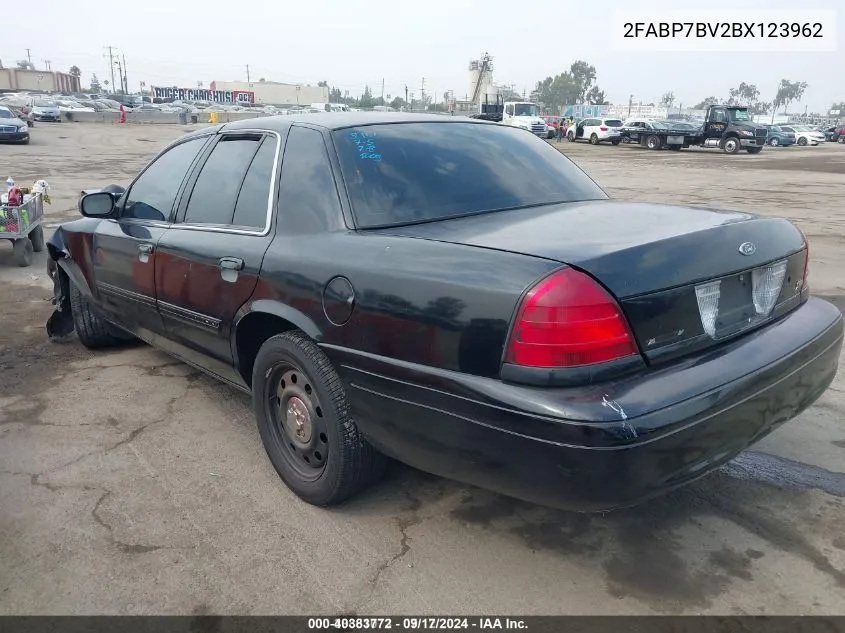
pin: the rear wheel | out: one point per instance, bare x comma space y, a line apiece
37, 238
653, 142
92, 329
616, 142
731, 145
754, 150
802, 141
594, 139
22, 252
305, 422
676, 148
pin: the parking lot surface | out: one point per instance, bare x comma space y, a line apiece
130, 483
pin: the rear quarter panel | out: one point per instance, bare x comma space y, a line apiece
433, 303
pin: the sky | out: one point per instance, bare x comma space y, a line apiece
353, 43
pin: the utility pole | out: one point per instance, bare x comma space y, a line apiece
47, 64
422, 92
630, 103
406, 96
125, 80
28, 56
111, 66
382, 91
247, 73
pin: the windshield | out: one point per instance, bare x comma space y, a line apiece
45, 104
738, 115
403, 173
526, 109
5, 114
613, 122
775, 128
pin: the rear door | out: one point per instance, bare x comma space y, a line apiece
124, 249
209, 261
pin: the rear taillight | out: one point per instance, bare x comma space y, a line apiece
603, 129
804, 279
569, 320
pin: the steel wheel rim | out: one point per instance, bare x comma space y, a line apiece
730, 145
297, 420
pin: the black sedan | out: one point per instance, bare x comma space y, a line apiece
12, 127
457, 295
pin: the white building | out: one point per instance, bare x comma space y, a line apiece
638, 110
276, 93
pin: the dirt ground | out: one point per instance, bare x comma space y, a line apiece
129, 483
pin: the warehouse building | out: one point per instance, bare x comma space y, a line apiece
275, 93
19, 79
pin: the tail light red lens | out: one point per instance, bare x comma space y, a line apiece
569, 320
603, 129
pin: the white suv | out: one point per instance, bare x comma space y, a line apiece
597, 130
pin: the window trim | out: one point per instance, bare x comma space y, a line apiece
229, 228
179, 192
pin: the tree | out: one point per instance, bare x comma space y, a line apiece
398, 103
788, 92
557, 91
668, 99
707, 101
597, 96
74, 70
95, 84
26, 65
366, 100
748, 95
322, 84
583, 75
335, 96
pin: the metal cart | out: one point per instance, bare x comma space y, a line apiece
22, 226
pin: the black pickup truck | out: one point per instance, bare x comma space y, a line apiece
729, 128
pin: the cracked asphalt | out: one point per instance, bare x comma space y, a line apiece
132, 484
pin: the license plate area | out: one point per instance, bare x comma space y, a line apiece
736, 305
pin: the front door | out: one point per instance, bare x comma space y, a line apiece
208, 262
716, 123
124, 254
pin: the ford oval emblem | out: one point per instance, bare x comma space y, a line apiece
747, 248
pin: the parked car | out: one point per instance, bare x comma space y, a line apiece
12, 128
383, 288
779, 136
597, 130
45, 110
804, 135
835, 133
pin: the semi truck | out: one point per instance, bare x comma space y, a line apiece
729, 128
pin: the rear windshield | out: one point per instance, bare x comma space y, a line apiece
613, 122
404, 173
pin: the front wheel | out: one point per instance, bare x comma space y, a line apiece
594, 139
93, 330
774, 142
305, 422
731, 146
754, 150
653, 142
802, 141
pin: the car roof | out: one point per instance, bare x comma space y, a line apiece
340, 120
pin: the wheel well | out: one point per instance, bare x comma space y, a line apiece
252, 331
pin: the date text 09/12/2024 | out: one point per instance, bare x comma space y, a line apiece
416, 623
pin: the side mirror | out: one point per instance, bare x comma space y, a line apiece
97, 205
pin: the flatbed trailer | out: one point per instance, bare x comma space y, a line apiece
728, 128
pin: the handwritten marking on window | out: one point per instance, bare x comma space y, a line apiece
365, 143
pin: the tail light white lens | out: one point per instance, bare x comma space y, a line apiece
766, 284
569, 320
708, 296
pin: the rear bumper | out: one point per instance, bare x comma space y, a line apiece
604, 446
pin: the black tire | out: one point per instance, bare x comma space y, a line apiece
676, 148
616, 142
802, 141
774, 142
22, 251
654, 142
594, 139
36, 236
753, 150
93, 330
25, 142
330, 461
731, 145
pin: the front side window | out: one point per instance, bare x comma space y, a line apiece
416, 172
153, 194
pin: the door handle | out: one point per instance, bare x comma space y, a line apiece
231, 263
144, 252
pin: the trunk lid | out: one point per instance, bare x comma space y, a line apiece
652, 258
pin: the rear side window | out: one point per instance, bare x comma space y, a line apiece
215, 193
416, 172
613, 123
308, 201
153, 194
251, 208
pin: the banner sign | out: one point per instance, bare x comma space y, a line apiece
201, 94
